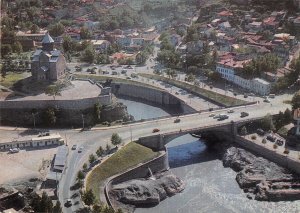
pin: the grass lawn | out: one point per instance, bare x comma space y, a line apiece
127, 157
219, 98
115, 79
12, 77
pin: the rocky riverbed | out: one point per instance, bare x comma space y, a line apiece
146, 192
260, 178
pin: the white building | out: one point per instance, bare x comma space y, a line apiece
228, 67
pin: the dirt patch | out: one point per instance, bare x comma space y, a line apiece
25, 164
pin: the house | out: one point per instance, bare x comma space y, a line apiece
48, 63
100, 45
255, 27
270, 23
224, 15
175, 39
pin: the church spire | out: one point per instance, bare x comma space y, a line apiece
47, 42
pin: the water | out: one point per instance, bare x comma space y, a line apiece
209, 187
142, 111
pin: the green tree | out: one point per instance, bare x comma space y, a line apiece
88, 55
56, 29
100, 151
57, 208
115, 139
85, 33
80, 175
34, 29
50, 116
267, 122
53, 90
84, 167
88, 197
190, 78
107, 148
5, 50
244, 131
296, 100
68, 44
288, 117
92, 158
17, 47
97, 110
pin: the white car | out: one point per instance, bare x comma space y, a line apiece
230, 111
217, 116
211, 115
74, 147
14, 150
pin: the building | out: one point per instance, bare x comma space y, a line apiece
228, 69
297, 121
48, 63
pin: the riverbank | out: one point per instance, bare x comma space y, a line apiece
258, 177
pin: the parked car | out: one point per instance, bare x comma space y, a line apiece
271, 138
245, 96
74, 147
279, 142
177, 120
105, 72
210, 109
211, 115
272, 96
260, 132
230, 111
14, 150
68, 203
244, 114
114, 73
155, 130
216, 116
267, 100
123, 71
80, 149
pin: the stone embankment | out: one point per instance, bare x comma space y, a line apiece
260, 178
146, 192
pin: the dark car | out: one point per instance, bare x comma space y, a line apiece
177, 120
279, 142
155, 130
244, 114
271, 138
260, 132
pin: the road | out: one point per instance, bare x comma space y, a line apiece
91, 140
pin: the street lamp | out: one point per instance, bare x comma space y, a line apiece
33, 115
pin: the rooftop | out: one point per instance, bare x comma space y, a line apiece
297, 114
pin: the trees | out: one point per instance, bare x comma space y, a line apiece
34, 28
80, 175
5, 50
42, 204
85, 33
17, 47
50, 116
244, 131
88, 55
116, 139
88, 197
56, 29
100, 151
267, 123
68, 44
92, 158
296, 100
97, 111
53, 90
84, 167
190, 78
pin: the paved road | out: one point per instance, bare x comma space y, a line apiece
91, 140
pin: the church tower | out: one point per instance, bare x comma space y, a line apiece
47, 43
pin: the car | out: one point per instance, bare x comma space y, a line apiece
267, 100
80, 149
216, 116
14, 150
230, 111
211, 109
271, 138
68, 203
244, 114
235, 94
124, 71
93, 72
177, 120
279, 142
230, 90
260, 132
74, 147
128, 77
105, 72
272, 96
245, 96
177, 93
114, 73
155, 130
211, 115
129, 67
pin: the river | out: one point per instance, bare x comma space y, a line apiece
209, 187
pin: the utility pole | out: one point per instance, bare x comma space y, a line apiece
33, 115
82, 120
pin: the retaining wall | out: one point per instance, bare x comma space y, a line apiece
272, 155
158, 164
152, 95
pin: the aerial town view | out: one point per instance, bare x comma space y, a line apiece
150, 106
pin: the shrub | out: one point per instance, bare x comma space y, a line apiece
253, 137
264, 141
275, 146
286, 151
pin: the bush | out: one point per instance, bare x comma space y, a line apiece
253, 137
275, 146
286, 151
264, 141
